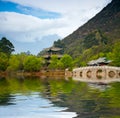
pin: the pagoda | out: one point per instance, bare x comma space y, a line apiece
49, 52
99, 62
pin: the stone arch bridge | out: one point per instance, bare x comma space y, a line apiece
97, 74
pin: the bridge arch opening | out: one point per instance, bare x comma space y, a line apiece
111, 74
118, 74
99, 73
81, 73
89, 73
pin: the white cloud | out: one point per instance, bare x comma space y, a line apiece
28, 28
62, 6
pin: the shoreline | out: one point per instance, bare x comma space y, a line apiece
40, 73
58, 74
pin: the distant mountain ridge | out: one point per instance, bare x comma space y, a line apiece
106, 24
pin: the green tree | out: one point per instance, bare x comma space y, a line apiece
53, 62
67, 61
21, 57
60, 65
13, 63
59, 43
94, 39
90, 40
115, 56
3, 61
80, 61
6, 46
16, 62
32, 63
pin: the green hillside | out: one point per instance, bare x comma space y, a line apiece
97, 37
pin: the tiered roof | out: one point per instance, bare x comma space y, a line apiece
53, 49
99, 61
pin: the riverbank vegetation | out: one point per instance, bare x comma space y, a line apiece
26, 62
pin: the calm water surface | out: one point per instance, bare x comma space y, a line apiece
33, 97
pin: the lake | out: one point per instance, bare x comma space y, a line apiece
38, 97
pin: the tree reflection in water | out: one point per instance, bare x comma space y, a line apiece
78, 97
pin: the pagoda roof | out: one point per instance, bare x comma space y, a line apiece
53, 49
98, 61
48, 56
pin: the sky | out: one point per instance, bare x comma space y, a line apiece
32, 25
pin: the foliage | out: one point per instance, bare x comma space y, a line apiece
13, 63
32, 63
59, 44
53, 62
6, 46
102, 31
79, 61
41, 53
28, 62
90, 40
16, 62
67, 61
3, 61
21, 58
95, 38
115, 54
60, 65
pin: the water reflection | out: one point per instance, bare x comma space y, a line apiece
59, 98
100, 86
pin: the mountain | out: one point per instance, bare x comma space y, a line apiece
98, 34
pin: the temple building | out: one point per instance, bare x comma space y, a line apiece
99, 62
52, 51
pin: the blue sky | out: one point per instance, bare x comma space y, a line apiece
35, 24
14, 7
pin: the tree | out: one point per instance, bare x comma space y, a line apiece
6, 46
94, 39
32, 63
3, 61
14, 63
21, 57
67, 61
90, 40
53, 62
59, 43
115, 56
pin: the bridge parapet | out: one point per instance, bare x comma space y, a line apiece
97, 73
